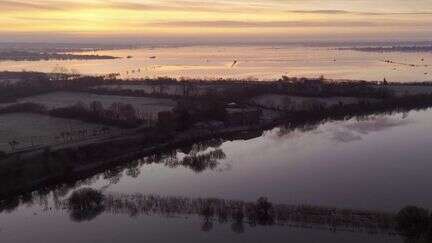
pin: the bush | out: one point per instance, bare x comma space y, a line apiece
412, 221
264, 211
85, 198
24, 107
3, 155
85, 204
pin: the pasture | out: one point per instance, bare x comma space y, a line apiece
64, 99
34, 130
298, 103
168, 89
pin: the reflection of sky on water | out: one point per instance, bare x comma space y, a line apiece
50, 227
355, 130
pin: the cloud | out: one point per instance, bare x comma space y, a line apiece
44, 5
345, 12
282, 24
321, 19
190, 6
183, 5
22, 6
330, 11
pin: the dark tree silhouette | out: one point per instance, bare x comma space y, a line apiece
85, 204
412, 221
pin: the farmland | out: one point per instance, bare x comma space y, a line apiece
296, 103
404, 90
36, 130
168, 89
65, 99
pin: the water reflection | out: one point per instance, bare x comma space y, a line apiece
86, 204
370, 162
207, 155
197, 157
355, 130
376, 124
350, 129
196, 161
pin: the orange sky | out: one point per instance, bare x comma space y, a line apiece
241, 19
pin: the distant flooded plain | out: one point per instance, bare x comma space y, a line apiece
267, 62
379, 162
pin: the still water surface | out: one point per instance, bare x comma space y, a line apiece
255, 62
379, 162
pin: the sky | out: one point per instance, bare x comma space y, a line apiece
217, 20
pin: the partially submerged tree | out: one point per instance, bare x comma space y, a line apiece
412, 221
86, 204
13, 144
2, 155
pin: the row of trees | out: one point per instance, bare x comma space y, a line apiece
86, 204
412, 222
189, 111
118, 114
247, 88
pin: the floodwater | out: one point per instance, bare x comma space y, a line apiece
379, 162
246, 62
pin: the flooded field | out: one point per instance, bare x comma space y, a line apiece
379, 162
247, 62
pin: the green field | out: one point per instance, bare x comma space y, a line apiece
39, 130
65, 99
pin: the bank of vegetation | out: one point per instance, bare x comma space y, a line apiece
15, 55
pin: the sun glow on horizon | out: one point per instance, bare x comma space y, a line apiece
277, 18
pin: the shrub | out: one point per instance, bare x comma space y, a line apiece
24, 107
85, 204
2, 155
264, 211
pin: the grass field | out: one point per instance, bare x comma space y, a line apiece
298, 103
34, 129
402, 90
65, 99
169, 89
